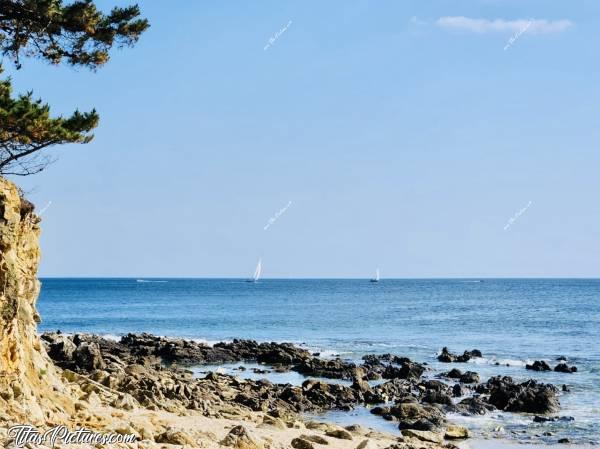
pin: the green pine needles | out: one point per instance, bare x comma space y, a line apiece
76, 34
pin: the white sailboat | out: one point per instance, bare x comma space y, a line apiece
257, 272
376, 278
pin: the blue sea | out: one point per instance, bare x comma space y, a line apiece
512, 321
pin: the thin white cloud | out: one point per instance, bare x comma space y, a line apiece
538, 26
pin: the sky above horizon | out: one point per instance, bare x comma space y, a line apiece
429, 139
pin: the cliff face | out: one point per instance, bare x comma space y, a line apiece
31, 390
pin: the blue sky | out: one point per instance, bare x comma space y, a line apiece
404, 134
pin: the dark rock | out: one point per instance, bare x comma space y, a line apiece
60, 348
435, 385
87, 356
407, 370
437, 397
538, 365
473, 406
335, 369
564, 368
301, 443
361, 385
527, 397
469, 377
447, 357
392, 390
457, 390
454, 373
541, 419
380, 411
417, 416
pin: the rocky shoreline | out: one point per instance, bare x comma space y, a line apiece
152, 372
142, 385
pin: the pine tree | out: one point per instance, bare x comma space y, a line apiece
76, 34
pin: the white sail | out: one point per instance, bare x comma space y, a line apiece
258, 271
377, 274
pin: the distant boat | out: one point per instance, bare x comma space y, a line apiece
257, 272
376, 278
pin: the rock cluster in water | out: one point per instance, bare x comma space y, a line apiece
148, 371
540, 365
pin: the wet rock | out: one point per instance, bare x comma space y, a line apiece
417, 416
470, 377
380, 411
335, 369
454, 373
329, 395
538, 365
526, 397
457, 391
564, 441
434, 385
542, 419
447, 357
407, 370
437, 397
564, 368
360, 382
473, 406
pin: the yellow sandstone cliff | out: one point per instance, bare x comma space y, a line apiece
31, 389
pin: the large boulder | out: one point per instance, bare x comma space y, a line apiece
334, 369
473, 406
406, 370
417, 416
60, 347
87, 356
456, 433
538, 365
527, 397
564, 368
470, 377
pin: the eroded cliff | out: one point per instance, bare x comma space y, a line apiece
31, 389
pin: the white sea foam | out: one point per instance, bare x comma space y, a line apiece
499, 361
209, 342
112, 337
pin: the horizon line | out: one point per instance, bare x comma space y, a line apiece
327, 278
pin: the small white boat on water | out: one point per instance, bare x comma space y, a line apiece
376, 278
257, 272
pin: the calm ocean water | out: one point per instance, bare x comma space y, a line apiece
510, 321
